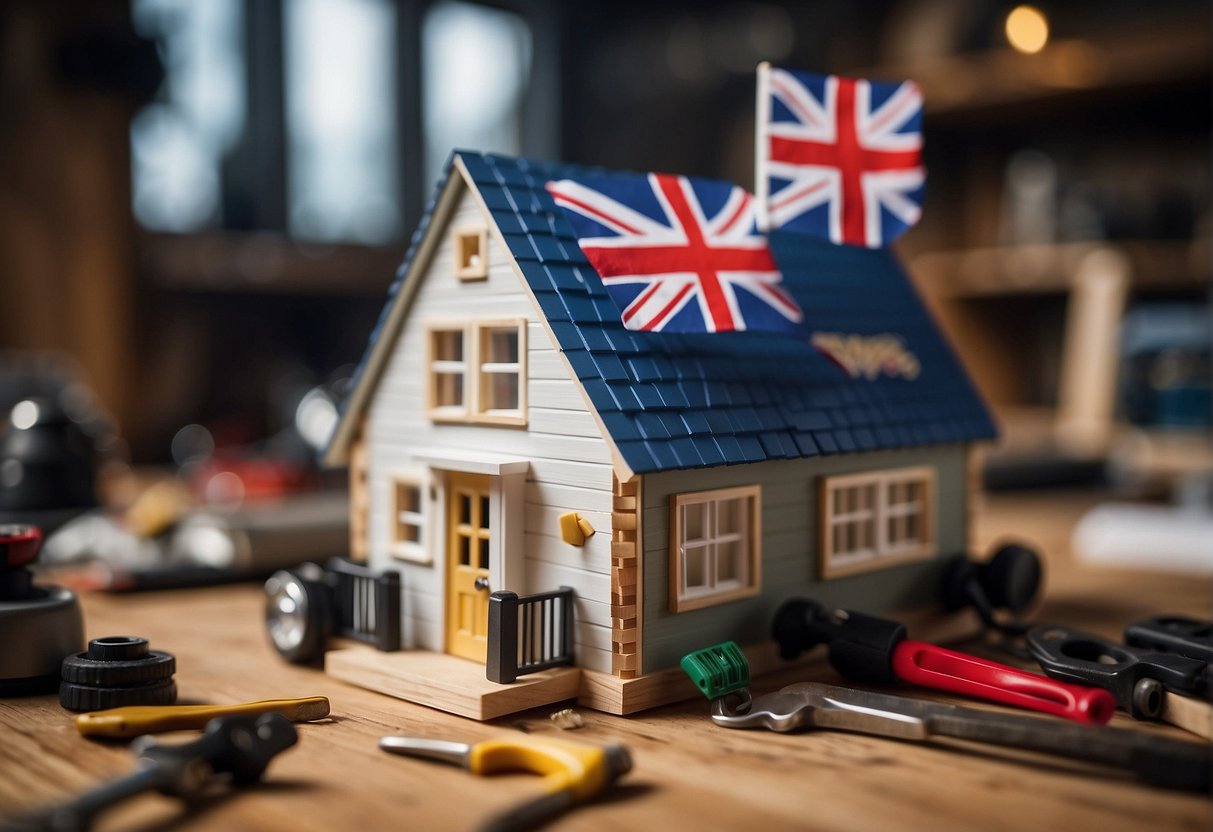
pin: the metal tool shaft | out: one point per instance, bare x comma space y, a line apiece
78, 813
1158, 760
444, 751
1161, 761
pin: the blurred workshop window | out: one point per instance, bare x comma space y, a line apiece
328, 119
341, 120
476, 67
178, 142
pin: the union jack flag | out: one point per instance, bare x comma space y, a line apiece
678, 254
838, 158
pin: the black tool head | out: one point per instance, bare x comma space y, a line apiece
249, 743
1012, 577
1010, 580
800, 624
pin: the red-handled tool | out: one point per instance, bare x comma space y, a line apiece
875, 650
19, 545
932, 666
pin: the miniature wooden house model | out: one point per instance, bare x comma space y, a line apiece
658, 491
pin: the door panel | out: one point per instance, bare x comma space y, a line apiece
468, 536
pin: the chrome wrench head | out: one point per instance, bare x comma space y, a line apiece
808, 705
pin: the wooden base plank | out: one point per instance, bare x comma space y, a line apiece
449, 683
458, 686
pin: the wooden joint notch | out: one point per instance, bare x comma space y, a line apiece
623, 549
623, 521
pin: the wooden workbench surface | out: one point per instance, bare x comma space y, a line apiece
688, 773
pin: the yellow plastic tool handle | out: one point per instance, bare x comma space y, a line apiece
580, 770
137, 720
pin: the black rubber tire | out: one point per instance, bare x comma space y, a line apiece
117, 648
88, 698
79, 669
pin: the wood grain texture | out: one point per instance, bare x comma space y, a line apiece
688, 773
449, 683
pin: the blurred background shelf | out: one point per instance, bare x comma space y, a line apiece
265, 262
1001, 83
200, 200
1044, 268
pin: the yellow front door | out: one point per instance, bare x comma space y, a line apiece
467, 557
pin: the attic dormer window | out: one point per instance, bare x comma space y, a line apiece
471, 253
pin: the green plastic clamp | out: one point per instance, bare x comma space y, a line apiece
717, 670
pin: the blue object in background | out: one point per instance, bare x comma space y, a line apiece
1166, 365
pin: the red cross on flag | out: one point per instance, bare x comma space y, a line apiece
838, 158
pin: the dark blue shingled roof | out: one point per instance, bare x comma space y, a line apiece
673, 401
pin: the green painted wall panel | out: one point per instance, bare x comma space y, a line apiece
790, 544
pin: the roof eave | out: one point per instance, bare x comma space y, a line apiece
338, 451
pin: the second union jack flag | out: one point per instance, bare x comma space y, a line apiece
678, 254
838, 158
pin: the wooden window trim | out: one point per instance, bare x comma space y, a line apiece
499, 417
470, 272
436, 412
752, 495
470, 411
411, 551
884, 555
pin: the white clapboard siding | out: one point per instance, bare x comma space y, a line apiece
595, 556
586, 585
568, 497
593, 637
563, 472
556, 394
544, 542
545, 364
563, 422
570, 462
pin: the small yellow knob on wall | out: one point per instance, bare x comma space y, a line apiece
574, 529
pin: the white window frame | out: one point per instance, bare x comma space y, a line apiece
749, 536
476, 372
868, 520
479, 238
415, 551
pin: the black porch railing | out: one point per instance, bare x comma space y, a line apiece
528, 634
366, 603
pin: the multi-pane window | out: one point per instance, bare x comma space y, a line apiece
478, 374
876, 519
408, 519
714, 547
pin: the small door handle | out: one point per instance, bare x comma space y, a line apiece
481, 584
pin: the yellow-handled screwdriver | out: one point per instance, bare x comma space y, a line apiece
137, 720
572, 772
